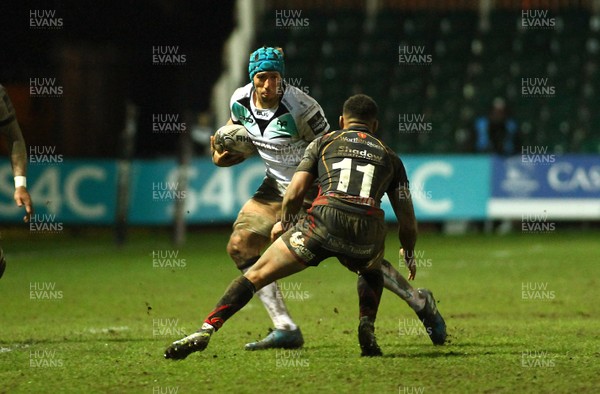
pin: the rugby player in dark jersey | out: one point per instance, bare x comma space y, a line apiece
354, 170
9, 129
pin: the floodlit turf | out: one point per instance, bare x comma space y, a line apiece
79, 315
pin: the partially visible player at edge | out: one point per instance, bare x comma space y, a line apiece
354, 170
9, 128
281, 121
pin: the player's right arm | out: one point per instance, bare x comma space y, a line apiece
225, 158
17, 152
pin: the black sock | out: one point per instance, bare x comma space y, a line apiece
248, 263
370, 287
239, 292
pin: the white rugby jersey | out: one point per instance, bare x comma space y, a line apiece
280, 135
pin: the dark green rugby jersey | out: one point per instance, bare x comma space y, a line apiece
355, 164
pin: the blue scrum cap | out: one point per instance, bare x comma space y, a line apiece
265, 59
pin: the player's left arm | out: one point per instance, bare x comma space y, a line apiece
293, 201
301, 182
294, 196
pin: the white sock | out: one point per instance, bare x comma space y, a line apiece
206, 326
273, 301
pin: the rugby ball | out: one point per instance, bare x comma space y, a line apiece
234, 138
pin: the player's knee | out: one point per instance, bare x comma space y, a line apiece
235, 247
239, 248
257, 278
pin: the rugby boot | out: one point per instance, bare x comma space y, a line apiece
278, 339
432, 319
366, 338
195, 342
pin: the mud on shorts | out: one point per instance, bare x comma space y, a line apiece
356, 239
270, 192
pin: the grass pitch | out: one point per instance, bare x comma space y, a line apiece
79, 314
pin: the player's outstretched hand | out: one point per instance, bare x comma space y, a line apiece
276, 231
224, 158
22, 197
409, 260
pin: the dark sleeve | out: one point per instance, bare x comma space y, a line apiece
399, 176
7, 112
310, 160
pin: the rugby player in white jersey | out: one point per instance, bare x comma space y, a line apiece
281, 121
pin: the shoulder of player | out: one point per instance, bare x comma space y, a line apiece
298, 102
331, 135
392, 153
241, 93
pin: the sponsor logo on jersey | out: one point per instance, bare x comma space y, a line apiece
317, 123
246, 119
266, 146
347, 151
365, 142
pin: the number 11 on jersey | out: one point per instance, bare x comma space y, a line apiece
346, 172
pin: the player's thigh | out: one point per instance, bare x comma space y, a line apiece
363, 266
277, 262
356, 239
258, 216
252, 228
